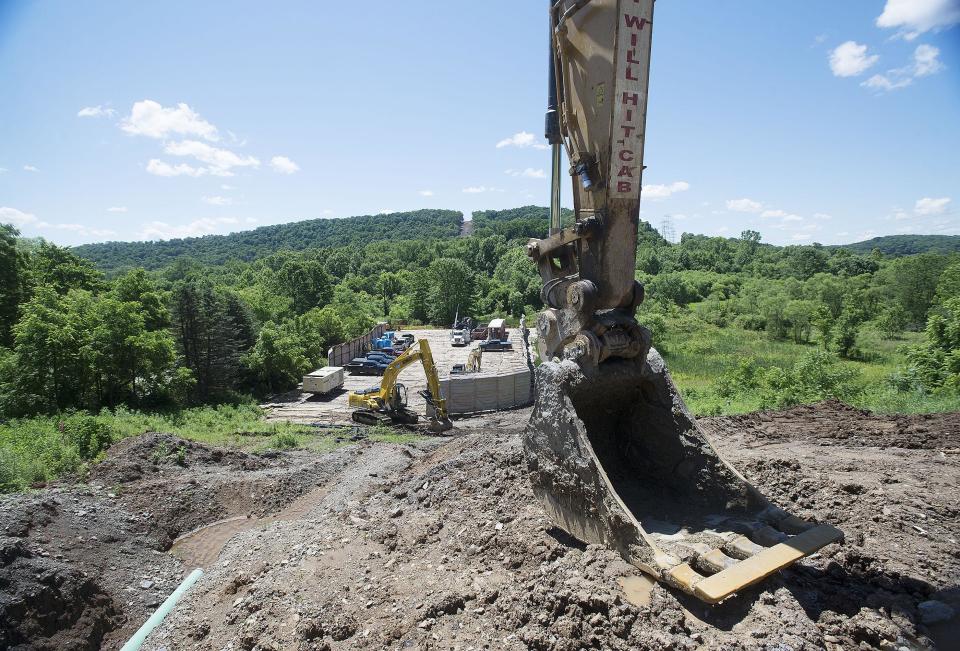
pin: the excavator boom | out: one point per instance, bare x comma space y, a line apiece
611, 449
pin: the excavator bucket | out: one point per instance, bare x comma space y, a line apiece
618, 460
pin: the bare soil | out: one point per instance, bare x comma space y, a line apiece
441, 545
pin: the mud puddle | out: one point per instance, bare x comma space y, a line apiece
637, 589
201, 547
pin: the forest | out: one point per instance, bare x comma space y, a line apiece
94, 336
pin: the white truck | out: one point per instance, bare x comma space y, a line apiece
323, 380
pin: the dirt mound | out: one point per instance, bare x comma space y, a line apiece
834, 422
454, 552
83, 566
136, 457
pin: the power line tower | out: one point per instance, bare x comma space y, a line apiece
666, 229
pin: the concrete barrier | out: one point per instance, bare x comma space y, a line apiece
474, 392
340, 354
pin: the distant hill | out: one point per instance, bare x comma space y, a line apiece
514, 223
249, 245
898, 245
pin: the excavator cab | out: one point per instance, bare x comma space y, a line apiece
612, 450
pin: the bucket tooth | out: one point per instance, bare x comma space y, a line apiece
742, 547
617, 459
715, 561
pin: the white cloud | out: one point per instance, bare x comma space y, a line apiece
96, 112
851, 59
928, 206
284, 165
522, 139
220, 161
387, 211
925, 61
529, 173
425, 193
227, 187
3, 170
206, 226
79, 229
744, 205
774, 213
663, 191
19, 218
799, 237
914, 17
217, 201
16, 217
160, 168
117, 209
327, 211
479, 189
887, 83
149, 118
822, 216
30, 168
792, 218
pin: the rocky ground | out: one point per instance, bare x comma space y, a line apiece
441, 545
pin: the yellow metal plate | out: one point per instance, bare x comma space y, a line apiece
747, 572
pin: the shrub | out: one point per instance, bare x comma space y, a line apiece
88, 434
284, 441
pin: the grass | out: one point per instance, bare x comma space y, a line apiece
697, 353
41, 448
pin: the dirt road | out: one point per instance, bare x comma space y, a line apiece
440, 545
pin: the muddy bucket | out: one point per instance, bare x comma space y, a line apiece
618, 460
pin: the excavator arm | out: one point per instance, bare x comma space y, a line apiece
612, 451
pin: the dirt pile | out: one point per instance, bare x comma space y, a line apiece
836, 423
83, 566
449, 550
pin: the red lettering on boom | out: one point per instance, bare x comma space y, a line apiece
624, 186
630, 76
626, 156
636, 21
631, 98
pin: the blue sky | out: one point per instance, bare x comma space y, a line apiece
809, 121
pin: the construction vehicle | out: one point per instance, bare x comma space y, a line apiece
612, 451
386, 404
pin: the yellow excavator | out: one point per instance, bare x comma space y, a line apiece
611, 450
387, 404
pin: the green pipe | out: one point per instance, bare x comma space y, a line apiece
160, 613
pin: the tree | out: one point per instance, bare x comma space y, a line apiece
136, 287
277, 360
55, 266
305, 282
451, 290
52, 350
13, 281
844, 332
935, 364
801, 315
389, 286
209, 340
128, 359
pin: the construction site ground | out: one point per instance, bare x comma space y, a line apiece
440, 544
333, 408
